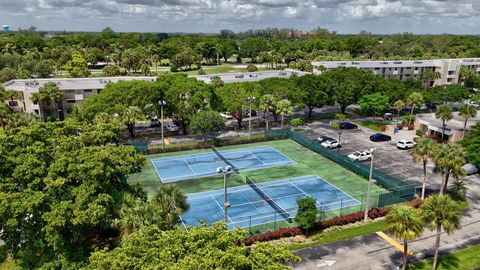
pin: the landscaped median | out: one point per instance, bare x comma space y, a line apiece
464, 259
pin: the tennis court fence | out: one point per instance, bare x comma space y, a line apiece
399, 190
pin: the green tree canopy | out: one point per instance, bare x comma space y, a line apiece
374, 103
62, 185
201, 248
234, 99
206, 122
472, 145
307, 213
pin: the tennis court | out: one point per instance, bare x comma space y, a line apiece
266, 202
173, 169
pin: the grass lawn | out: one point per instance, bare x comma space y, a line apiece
341, 234
374, 125
468, 258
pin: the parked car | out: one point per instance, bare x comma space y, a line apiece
226, 115
379, 137
154, 121
387, 116
470, 169
347, 125
172, 127
331, 144
360, 155
405, 144
322, 139
474, 104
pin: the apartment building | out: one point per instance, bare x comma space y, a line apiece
75, 90
449, 69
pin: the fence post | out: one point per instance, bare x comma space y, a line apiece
250, 224
274, 220
341, 206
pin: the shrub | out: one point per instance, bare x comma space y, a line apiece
406, 119
418, 132
51, 119
272, 235
251, 68
307, 213
201, 72
296, 122
416, 203
409, 126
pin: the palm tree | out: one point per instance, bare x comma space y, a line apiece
11, 94
467, 111
267, 104
132, 115
414, 99
421, 153
464, 74
284, 106
399, 105
53, 94
444, 112
405, 223
448, 158
440, 211
459, 188
429, 75
170, 202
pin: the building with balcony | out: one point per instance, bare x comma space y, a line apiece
449, 69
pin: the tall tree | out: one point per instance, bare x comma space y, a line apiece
234, 99
421, 153
466, 111
406, 224
170, 202
444, 113
440, 211
77, 66
206, 122
415, 99
130, 117
399, 105
374, 103
267, 103
428, 75
313, 91
284, 106
448, 158
471, 144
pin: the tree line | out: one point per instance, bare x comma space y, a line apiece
32, 54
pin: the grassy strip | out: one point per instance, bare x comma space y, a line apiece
468, 258
344, 234
371, 125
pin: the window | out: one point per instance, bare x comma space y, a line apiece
87, 90
98, 91
36, 111
70, 101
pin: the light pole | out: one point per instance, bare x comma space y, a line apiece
339, 141
226, 205
162, 103
370, 181
250, 100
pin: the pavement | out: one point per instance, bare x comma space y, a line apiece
373, 252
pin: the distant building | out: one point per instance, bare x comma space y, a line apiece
449, 69
432, 126
5, 28
75, 90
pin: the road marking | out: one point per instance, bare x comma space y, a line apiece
326, 263
393, 242
165, 141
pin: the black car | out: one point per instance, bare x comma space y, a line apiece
379, 137
347, 125
324, 139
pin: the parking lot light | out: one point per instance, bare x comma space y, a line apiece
226, 205
339, 141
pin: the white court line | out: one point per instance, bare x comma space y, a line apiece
194, 173
337, 188
263, 163
221, 209
301, 190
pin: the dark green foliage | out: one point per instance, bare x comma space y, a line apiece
471, 144
206, 122
307, 213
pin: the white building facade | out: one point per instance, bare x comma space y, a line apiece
449, 69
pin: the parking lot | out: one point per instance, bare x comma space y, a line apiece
387, 157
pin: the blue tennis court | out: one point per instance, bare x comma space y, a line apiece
179, 168
249, 208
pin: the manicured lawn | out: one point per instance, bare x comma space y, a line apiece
374, 125
468, 258
344, 234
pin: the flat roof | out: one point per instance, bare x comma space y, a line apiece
249, 76
455, 124
397, 63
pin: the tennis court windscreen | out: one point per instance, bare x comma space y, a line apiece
220, 155
269, 200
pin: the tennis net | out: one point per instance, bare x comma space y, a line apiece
220, 155
269, 200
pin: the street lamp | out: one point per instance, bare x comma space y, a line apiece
370, 181
339, 141
226, 205
162, 103
250, 100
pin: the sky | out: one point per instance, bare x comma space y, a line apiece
210, 16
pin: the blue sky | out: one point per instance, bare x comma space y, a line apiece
209, 16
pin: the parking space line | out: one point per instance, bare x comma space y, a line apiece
392, 242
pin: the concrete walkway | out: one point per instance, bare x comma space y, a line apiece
373, 252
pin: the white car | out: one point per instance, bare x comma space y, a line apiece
474, 104
360, 155
331, 144
172, 127
405, 144
226, 115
